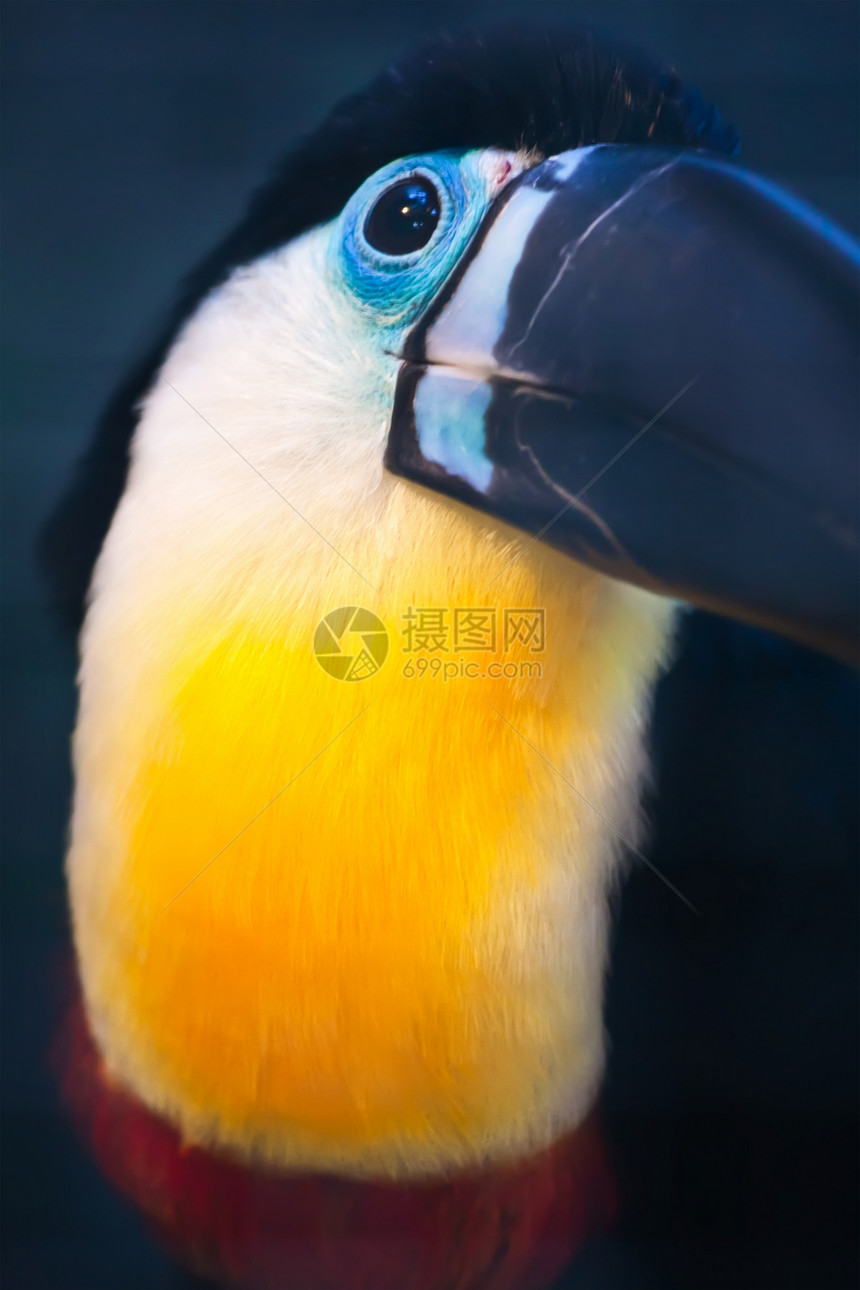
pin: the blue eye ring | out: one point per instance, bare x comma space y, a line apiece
392, 288
442, 177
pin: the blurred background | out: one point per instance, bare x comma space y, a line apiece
133, 134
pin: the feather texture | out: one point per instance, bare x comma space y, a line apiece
320, 924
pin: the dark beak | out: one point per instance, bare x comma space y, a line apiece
649, 360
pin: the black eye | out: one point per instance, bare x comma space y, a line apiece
404, 218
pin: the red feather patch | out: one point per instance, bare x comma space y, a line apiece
512, 1226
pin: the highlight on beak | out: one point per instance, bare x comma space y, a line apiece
650, 359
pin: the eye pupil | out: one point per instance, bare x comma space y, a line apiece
404, 218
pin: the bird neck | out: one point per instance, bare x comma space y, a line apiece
348, 925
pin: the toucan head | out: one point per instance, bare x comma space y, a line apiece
645, 357
603, 331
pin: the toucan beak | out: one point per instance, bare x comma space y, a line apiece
649, 360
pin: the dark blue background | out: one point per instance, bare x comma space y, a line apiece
132, 136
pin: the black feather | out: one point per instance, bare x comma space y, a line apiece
507, 87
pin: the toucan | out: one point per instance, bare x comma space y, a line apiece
378, 559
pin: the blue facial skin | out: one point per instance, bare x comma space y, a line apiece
393, 289
389, 292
